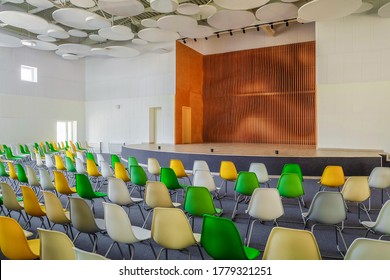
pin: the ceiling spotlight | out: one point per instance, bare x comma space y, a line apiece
184, 41
243, 30
257, 28
230, 32
217, 35
195, 39
286, 23
272, 26
206, 38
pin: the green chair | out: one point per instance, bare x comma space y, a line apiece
26, 149
138, 178
22, 177
10, 156
293, 168
22, 150
130, 162
79, 147
222, 241
84, 189
245, 184
70, 167
3, 173
114, 159
198, 201
290, 186
91, 157
169, 178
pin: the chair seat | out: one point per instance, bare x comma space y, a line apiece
219, 211
27, 233
34, 245
176, 204
141, 233
197, 237
137, 199
100, 194
368, 224
251, 253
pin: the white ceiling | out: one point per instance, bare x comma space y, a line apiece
126, 28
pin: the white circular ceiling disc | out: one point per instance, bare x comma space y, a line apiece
83, 3
319, 10
207, 10
125, 8
39, 45
74, 17
9, 41
230, 19
240, 4
384, 11
164, 6
110, 34
97, 38
149, 22
97, 22
200, 31
364, 8
78, 33
46, 38
23, 20
139, 42
277, 12
44, 4
156, 35
188, 9
177, 23
77, 49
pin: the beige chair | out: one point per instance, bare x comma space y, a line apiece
56, 213
154, 167
87, 256
55, 245
84, 221
157, 195
32, 178
382, 224
120, 230
118, 193
357, 190
11, 202
265, 205
291, 244
172, 231
368, 249
261, 172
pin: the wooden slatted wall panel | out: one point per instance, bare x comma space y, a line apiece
262, 95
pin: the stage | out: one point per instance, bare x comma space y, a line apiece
311, 160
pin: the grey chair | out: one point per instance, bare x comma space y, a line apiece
261, 172
368, 249
382, 224
379, 179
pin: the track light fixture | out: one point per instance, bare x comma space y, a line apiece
184, 41
286, 21
231, 32
217, 35
206, 38
243, 30
257, 28
272, 25
195, 39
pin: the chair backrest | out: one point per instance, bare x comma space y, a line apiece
265, 204
131, 161
379, 177
114, 158
138, 175
87, 256
171, 229
61, 183
120, 172
118, 224
90, 156
92, 169
12, 171
82, 216
228, 171
49, 161
32, 177
154, 166
80, 166
69, 154
80, 156
356, 189
99, 158
200, 165
59, 163
54, 210
221, 240
368, 249
204, 178
22, 176
14, 244
38, 159
9, 198
291, 244
293, 168
333, 176
118, 192
31, 202
290, 186
198, 201
169, 178
246, 183
3, 172
83, 187
55, 245
382, 223
157, 195
105, 168
327, 208
45, 179
260, 170
178, 168
69, 164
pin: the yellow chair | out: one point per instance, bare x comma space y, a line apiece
13, 175
55, 245
15, 245
93, 173
69, 154
178, 167
121, 173
59, 163
61, 184
291, 244
32, 207
228, 173
332, 177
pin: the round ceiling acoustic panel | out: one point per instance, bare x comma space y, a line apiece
44, 31
116, 33
44, 4
70, 56
156, 35
384, 11
23, 20
277, 12
74, 17
229, 19
97, 38
39, 45
290, 1
365, 7
149, 22
76, 49
126, 8
177, 23
240, 5
97, 22
200, 31
139, 42
46, 38
83, 3
78, 33
9, 41
207, 10
164, 6
188, 9
57, 32
99, 52
122, 52
15, 1
320, 10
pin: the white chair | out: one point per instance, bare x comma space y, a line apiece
382, 223
261, 172
45, 180
99, 158
39, 160
203, 178
49, 162
200, 165
368, 249
80, 156
106, 170
32, 178
379, 179
120, 230
154, 167
80, 168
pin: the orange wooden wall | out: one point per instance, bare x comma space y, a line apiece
262, 95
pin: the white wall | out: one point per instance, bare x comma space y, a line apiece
136, 84
353, 78
29, 111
